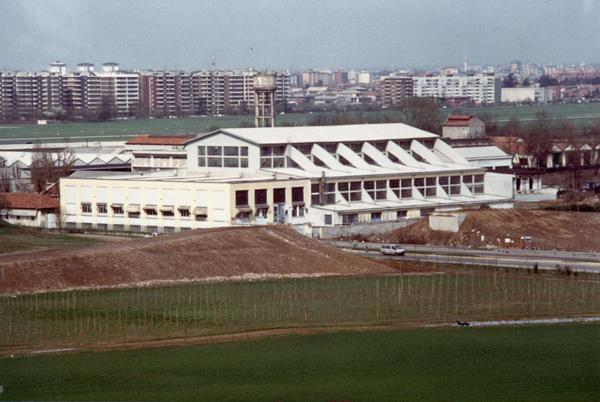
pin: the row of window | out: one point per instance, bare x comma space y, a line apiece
403, 188
260, 196
134, 211
125, 228
223, 156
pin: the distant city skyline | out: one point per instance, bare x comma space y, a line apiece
292, 35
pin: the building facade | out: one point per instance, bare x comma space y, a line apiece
394, 88
479, 88
309, 177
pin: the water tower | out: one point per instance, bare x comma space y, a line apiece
264, 99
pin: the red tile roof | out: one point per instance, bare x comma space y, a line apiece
510, 145
459, 120
150, 139
28, 201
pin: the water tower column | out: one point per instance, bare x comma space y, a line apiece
264, 100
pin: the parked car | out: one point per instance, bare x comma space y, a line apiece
392, 249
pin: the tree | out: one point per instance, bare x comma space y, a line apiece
512, 128
539, 139
594, 139
547, 81
510, 81
573, 150
48, 167
422, 113
107, 108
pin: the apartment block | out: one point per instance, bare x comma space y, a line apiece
394, 88
479, 88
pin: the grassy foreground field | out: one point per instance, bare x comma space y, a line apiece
582, 115
127, 316
541, 363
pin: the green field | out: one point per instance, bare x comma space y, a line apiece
536, 363
19, 239
582, 115
76, 318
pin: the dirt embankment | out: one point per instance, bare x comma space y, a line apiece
574, 231
212, 254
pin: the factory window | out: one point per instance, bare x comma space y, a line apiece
167, 213
279, 195
430, 186
117, 209
419, 184
102, 208
272, 156
356, 148
450, 184
474, 183
328, 193
241, 198
184, 212
401, 214
315, 194
376, 189
133, 215
228, 156
328, 219
260, 197
348, 219
351, 191
202, 156
102, 226
135, 228
86, 207
375, 216
118, 227
150, 211
298, 195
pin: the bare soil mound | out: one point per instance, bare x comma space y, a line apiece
574, 231
213, 254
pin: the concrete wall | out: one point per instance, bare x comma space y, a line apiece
365, 229
446, 222
499, 184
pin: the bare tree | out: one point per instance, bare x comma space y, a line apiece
47, 167
539, 138
594, 140
422, 113
573, 151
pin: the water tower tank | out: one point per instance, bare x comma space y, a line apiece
265, 82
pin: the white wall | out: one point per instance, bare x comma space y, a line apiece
499, 184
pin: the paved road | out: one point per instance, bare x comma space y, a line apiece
506, 258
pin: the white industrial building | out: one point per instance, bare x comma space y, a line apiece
527, 95
309, 177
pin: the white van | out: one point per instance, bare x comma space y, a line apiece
392, 249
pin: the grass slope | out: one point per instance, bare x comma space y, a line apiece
543, 363
16, 239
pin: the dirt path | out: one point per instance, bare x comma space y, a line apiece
303, 331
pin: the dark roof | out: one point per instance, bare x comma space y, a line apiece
28, 201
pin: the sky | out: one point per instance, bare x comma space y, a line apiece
296, 34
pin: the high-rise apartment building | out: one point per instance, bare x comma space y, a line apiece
479, 88
220, 92
121, 93
167, 93
393, 88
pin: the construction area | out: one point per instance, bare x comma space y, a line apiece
507, 228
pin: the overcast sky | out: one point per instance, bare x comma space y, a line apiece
190, 34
